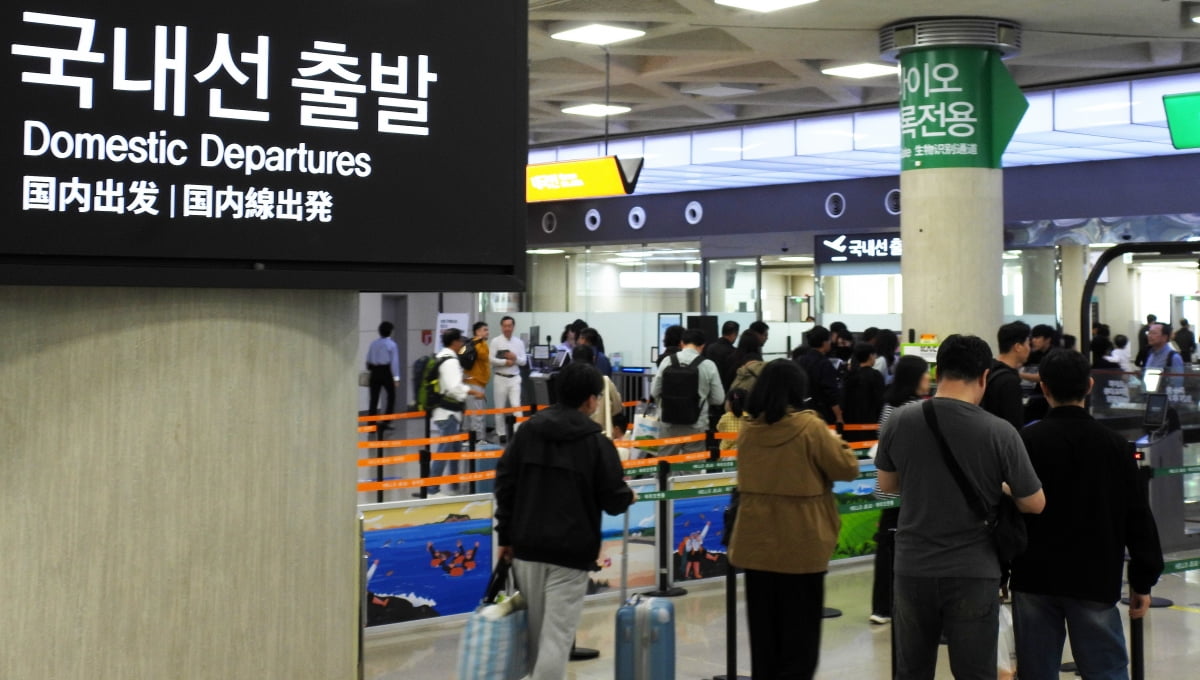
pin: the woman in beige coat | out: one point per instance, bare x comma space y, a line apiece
787, 523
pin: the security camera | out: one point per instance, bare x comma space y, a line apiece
783, 249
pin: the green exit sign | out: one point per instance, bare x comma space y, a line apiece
1183, 119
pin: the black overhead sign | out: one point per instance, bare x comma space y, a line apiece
378, 144
856, 248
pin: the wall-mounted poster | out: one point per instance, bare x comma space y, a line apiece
426, 558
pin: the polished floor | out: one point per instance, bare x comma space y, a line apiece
851, 646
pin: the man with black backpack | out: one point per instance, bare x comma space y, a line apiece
1003, 396
684, 387
824, 387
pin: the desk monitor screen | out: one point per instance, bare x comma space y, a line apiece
1156, 411
541, 352
1152, 379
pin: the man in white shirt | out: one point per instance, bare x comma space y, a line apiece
448, 415
508, 355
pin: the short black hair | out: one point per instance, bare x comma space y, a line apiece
576, 382
451, 335
862, 352
1120, 341
817, 336
694, 336
963, 357
672, 336
478, 325
385, 329
868, 335
1065, 374
730, 328
1043, 331
1010, 334
760, 327
583, 353
507, 318
838, 327
781, 385
750, 341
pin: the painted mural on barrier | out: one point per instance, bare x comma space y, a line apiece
699, 524
857, 536
426, 560
643, 553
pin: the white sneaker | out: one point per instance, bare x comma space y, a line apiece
435, 494
880, 619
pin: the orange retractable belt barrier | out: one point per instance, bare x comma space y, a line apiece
390, 460
496, 411
425, 441
391, 416
643, 443
427, 481
367, 428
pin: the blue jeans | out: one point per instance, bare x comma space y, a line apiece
1097, 640
445, 428
966, 609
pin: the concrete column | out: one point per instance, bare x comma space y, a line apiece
1038, 278
1075, 270
178, 483
953, 233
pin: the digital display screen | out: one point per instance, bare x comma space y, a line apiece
541, 351
376, 145
1156, 411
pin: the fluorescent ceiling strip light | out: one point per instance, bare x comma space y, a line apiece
866, 70
545, 251
596, 110
598, 34
659, 279
763, 5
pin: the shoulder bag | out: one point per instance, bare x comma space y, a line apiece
1007, 527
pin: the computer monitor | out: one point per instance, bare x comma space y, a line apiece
540, 352
1156, 411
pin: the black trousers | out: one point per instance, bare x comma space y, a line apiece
381, 377
885, 555
784, 613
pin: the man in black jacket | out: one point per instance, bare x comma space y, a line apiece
824, 392
1095, 511
1003, 396
554, 479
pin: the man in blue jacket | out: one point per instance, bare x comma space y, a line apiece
557, 475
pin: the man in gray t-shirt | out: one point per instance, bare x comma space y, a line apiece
947, 572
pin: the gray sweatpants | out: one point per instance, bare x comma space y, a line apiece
555, 598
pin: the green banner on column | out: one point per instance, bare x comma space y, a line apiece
959, 108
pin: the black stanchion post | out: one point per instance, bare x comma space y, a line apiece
731, 626
665, 589
425, 463
471, 443
379, 468
1137, 650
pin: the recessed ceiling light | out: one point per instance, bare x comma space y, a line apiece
746, 263
719, 90
544, 251
763, 5
596, 110
862, 70
598, 34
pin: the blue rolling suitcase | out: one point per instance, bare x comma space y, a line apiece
645, 631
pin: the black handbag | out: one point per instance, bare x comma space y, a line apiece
1007, 527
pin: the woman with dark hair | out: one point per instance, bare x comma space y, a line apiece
787, 523
887, 343
591, 338
1101, 348
862, 388
749, 349
910, 383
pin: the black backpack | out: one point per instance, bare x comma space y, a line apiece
469, 354
679, 403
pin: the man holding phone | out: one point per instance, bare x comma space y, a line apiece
507, 359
